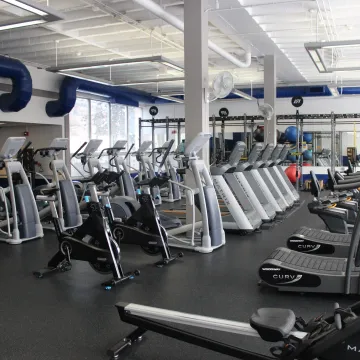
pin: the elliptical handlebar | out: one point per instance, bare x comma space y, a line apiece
21, 152
129, 151
57, 149
109, 150
79, 149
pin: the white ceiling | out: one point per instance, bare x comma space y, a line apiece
96, 30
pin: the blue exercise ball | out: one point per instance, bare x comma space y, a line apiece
291, 134
291, 157
307, 155
307, 137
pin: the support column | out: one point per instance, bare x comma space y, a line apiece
196, 81
196, 70
270, 97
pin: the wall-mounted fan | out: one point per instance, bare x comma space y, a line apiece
221, 86
266, 111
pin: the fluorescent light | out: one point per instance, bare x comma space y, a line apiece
22, 24
174, 99
172, 65
25, 6
315, 57
89, 78
242, 94
87, 67
334, 91
119, 62
340, 46
151, 81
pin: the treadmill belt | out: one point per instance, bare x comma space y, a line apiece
305, 262
322, 235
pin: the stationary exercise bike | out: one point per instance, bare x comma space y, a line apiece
102, 252
143, 226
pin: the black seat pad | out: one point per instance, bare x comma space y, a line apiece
273, 324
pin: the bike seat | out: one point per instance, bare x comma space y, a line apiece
273, 324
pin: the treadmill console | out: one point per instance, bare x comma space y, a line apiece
276, 153
11, 147
267, 152
284, 153
255, 153
236, 154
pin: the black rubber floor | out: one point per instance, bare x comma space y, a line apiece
69, 316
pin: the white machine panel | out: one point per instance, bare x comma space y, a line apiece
144, 146
11, 147
197, 143
92, 146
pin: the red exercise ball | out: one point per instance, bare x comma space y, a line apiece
291, 173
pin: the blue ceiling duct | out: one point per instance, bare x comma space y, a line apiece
287, 92
21, 85
117, 94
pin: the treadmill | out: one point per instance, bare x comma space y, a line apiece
269, 170
260, 171
322, 242
259, 194
277, 172
289, 270
243, 215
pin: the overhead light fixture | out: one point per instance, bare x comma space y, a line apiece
151, 81
317, 60
171, 98
340, 44
39, 15
334, 90
89, 78
22, 24
242, 94
315, 55
28, 6
120, 62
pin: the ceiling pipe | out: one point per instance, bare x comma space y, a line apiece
174, 21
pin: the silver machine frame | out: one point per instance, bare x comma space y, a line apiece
202, 244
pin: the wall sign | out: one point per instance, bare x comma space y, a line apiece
223, 112
297, 101
153, 111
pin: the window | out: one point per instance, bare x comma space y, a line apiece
79, 124
100, 124
92, 119
119, 126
